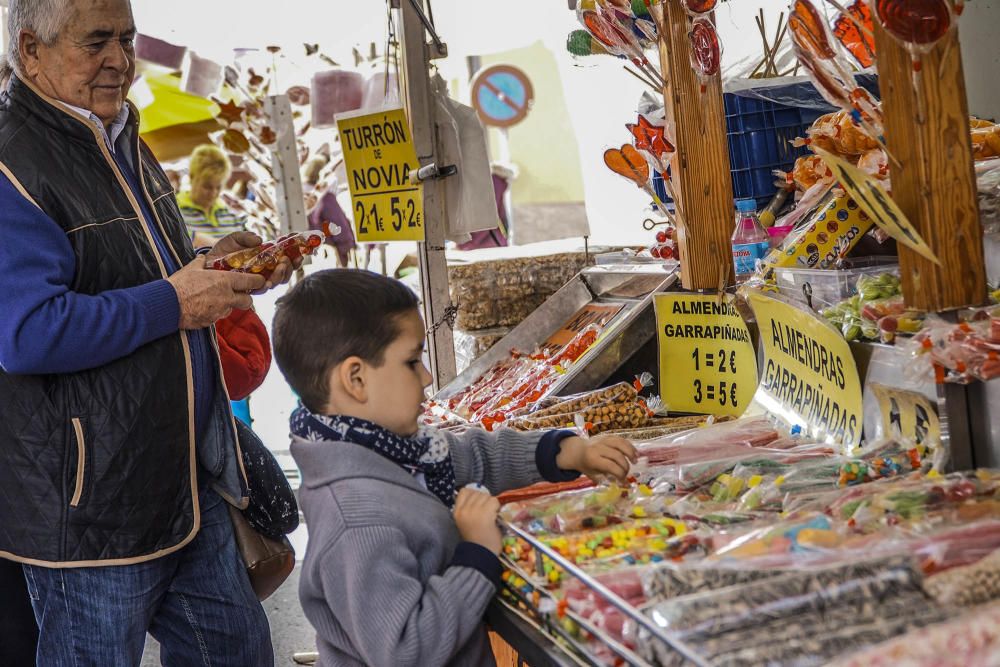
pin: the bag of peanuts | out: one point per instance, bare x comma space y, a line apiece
967, 585
615, 407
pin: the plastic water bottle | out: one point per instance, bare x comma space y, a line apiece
750, 240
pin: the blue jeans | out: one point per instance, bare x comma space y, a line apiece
197, 602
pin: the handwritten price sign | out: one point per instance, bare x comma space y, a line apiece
707, 361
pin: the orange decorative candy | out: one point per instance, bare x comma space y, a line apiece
809, 30
626, 161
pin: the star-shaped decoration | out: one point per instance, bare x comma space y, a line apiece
649, 137
229, 112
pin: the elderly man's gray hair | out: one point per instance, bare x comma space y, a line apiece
45, 18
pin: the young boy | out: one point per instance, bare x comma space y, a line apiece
399, 569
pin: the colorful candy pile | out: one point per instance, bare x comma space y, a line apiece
774, 508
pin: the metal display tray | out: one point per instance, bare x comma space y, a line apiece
633, 327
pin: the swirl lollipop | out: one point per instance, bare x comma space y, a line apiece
706, 52
918, 25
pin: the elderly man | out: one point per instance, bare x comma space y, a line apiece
117, 447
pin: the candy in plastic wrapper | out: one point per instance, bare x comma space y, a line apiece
264, 259
970, 639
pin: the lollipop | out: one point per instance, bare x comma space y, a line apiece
582, 43
853, 29
706, 53
699, 6
629, 163
607, 28
649, 137
820, 55
918, 25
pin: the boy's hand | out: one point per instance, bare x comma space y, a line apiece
600, 456
476, 517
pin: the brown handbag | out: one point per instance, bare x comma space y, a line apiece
269, 562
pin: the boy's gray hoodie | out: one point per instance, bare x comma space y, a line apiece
387, 581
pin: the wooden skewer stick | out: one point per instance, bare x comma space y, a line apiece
782, 28
641, 78
767, 45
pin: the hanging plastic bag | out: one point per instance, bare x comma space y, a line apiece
470, 196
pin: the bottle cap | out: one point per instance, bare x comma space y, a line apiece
746, 205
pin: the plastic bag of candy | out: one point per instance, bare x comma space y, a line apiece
693, 473
615, 407
519, 382
876, 312
959, 353
970, 639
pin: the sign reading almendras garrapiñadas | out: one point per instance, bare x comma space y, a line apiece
810, 377
707, 361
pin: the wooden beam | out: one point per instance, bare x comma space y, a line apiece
700, 167
928, 132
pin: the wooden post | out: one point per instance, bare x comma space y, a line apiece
701, 170
928, 133
285, 162
431, 253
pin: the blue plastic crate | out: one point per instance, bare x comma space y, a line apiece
760, 131
760, 135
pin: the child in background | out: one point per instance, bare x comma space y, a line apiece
399, 568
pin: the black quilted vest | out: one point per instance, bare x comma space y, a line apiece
98, 467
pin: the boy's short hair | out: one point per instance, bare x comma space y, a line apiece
332, 315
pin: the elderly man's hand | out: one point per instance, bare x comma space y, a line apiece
241, 241
206, 295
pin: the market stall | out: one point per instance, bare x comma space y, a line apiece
815, 418
813, 482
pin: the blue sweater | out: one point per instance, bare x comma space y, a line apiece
46, 327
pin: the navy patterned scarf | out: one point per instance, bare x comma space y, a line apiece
426, 452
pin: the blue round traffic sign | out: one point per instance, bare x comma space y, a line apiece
502, 95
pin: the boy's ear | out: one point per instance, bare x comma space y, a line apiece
352, 378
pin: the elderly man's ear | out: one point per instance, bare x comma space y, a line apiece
29, 45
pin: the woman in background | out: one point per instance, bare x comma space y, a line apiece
206, 217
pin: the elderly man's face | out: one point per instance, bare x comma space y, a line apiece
92, 63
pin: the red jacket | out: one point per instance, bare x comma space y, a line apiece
245, 350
